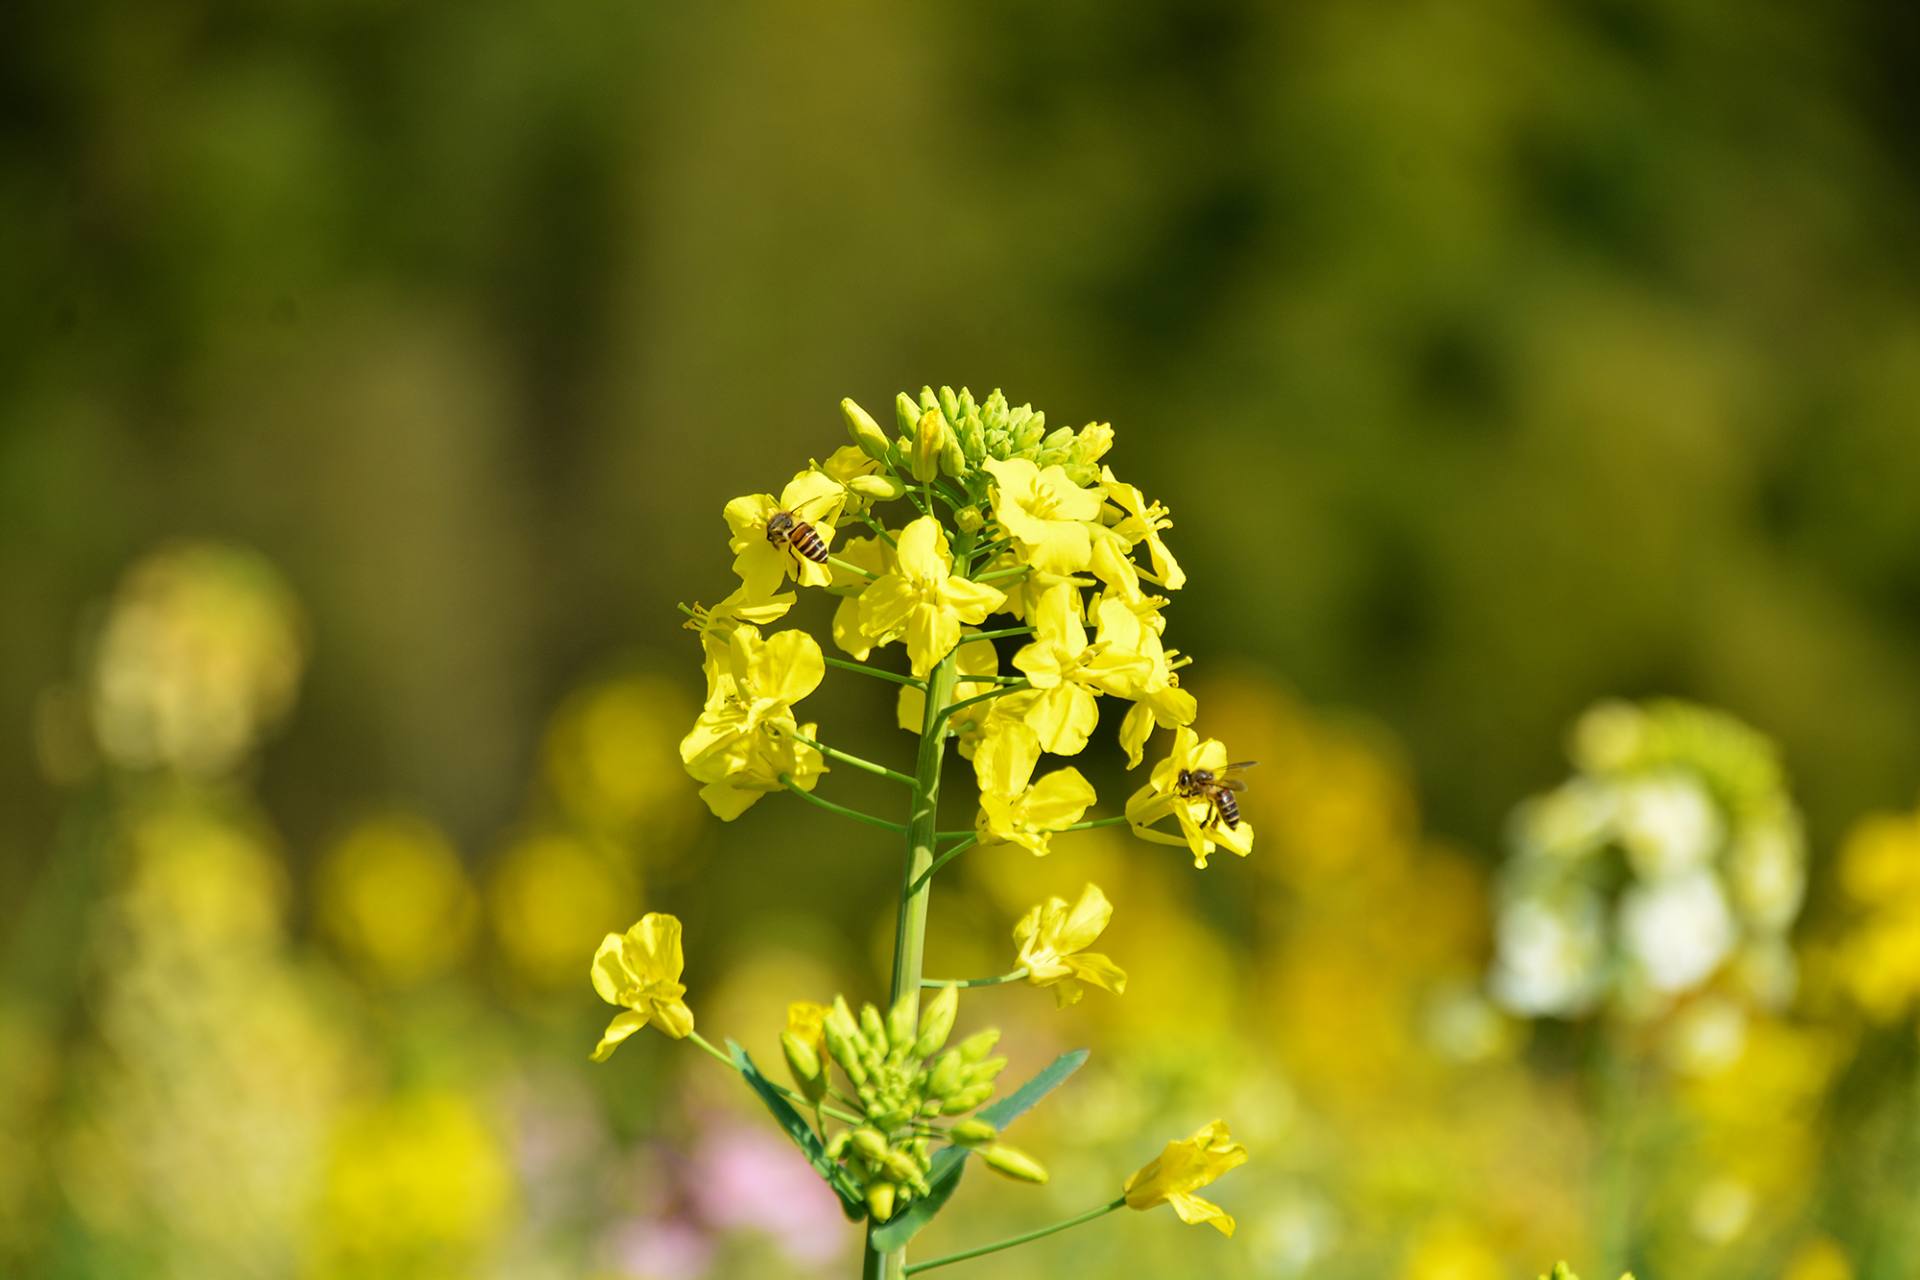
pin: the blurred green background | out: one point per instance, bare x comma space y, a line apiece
1492, 358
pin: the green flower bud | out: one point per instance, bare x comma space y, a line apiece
1014, 1163
977, 1046
906, 413
881, 1197
837, 1144
936, 1024
949, 404
972, 1131
902, 1167
953, 459
967, 1099
870, 1143
900, 1033
985, 1072
865, 431
948, 1076
804, 1065
929, 439
873, 1028
969, 519
881, 488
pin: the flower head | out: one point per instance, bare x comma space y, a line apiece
743, 744
639, 970
1012, 808
715, 626
1142, 523
922, 598
1182, 1169
1045, 512
1071, 671
1203, 827
1053, 937
763, 563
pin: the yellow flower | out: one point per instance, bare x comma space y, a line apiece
1201, 827
1182, 1169
810, 496
715, 626
394, 895
807, 1022
1045, 512
1070, 671
1011, 811
1052, 938
639, 970
851, 467
1143, 522
875, 557
923, 599
744, 741
976, 658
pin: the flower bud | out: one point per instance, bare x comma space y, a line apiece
873, 1028
870, 1143
844, 1041
881, 488
985, 1072
972, 1132
900, 1033
1014, 1163
967, 1099
881, 1197
906, 413
865, 431
804, 1065
950, 405
902, 1167
977, 1046
936, 1024
949, 1074
837, 1144
929, 439
970, 520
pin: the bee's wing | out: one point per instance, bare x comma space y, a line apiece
1239, 764
1231, 784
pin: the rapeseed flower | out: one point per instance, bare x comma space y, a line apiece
743, 744
1071, 671
1044, 511
1201, 827
1053, 938
811, 496
923, 599
639, 970
1011, 810
1183, 1168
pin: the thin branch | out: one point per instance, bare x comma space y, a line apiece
967, 842
877, 673
842, 810
1018, 975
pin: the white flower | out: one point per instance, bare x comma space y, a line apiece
1668, 825
1677, 931
1550, 956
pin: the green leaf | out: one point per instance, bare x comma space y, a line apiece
851, 1202
948, 1164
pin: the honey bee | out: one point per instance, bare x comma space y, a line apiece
1218, 791
786, 528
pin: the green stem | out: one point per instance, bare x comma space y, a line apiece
910, 933
842, 810
726, 1060
851, 760
998, 574
995, 635
991, 680
978, 697
1119, 1202
879, 530
1018, 975
892, 676
850, 567
966, 842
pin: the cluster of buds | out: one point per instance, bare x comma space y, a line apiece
947, 432
905, 1080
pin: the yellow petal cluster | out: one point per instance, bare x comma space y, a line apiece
1013, 808
743, 744
923, 599
639, 970
1053, 938
1172, 1177
763, 563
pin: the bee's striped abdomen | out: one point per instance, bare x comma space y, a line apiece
803, 539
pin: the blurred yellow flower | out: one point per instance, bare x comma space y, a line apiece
763, 564
393, 895
1053, 938
1878, 958
611, 760
1177, 787
547, 894
640, 970
1045, 512
1181, 1169
1821, 1258
416, 1186
1011, 810
1452, 1251
923, 599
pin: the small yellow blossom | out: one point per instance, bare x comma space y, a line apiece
862, 477
744, 741
1013, 812
1182, 1169
977, 658
1046, 513
923, 598
763, 565
1071, 671
639, 970
875, 558
1143, 522
1053, 937
715, 626
1201, 828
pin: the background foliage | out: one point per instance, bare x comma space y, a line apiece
1493, 358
